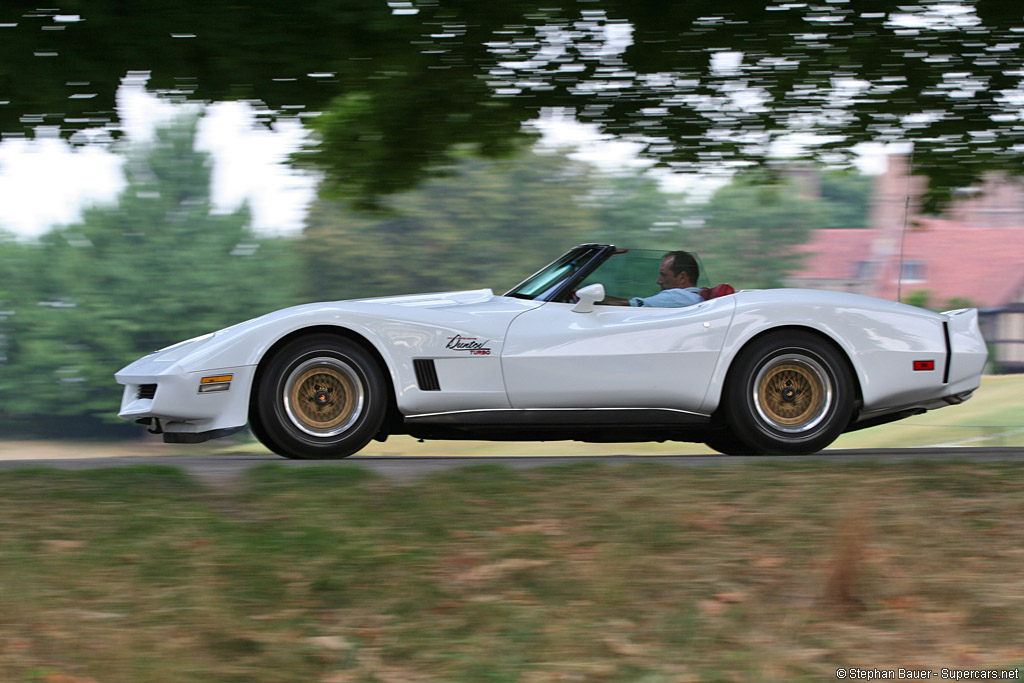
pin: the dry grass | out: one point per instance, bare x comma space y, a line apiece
768, 572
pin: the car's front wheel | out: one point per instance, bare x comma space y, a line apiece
789, 392
319, 397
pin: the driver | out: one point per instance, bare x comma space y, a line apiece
677, 278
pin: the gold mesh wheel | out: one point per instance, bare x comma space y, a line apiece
792, 393
323, 397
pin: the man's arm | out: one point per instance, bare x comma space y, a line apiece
673, 298
610, 300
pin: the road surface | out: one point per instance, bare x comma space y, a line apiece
223, 469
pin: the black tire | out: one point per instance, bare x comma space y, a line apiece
319, 397
255, 428
725, 443
789, 392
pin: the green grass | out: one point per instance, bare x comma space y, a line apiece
641, 573
994, 416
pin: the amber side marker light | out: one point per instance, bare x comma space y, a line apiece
920, 365
215, 383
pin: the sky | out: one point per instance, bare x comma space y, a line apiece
45, 181
589, 144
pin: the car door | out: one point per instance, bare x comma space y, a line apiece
614, 356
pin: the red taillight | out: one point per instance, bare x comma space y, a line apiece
924, 365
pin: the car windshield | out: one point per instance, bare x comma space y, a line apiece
546, 283
628, 273
623, 272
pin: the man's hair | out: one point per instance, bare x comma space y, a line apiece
684, 261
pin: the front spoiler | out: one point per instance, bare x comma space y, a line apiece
153, 423
200, 437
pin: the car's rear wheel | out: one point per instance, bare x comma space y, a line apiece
319, 397
789, 392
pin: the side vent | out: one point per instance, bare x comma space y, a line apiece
146, 391
426, 374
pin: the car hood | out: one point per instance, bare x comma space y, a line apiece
244, 343
434, 300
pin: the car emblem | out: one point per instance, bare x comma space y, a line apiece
473, 345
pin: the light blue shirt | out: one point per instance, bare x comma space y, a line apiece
670, 298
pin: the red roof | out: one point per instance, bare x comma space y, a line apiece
983, 265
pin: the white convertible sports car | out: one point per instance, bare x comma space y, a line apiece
763, 371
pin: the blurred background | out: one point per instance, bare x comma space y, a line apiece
169, 172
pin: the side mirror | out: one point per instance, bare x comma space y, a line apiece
588, 296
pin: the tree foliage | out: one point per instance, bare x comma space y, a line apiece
752, 228
633, 210
847, 199
129, 279
401, 84
491, 223
482, 224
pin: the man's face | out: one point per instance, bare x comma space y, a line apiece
668, 280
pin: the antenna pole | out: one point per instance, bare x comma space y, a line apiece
903, 233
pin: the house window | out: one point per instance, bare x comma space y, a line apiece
864, 270
915, 271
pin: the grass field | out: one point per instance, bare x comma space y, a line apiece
579, 573
994, 416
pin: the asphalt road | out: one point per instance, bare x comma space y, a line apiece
223, 469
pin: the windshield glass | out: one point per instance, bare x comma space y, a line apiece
625, 273
634, 272
543, 283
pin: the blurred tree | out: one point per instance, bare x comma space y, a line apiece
402, 83
633, 211
751, 228
492, 223
156, 269
484, 224
15, 284
958, 302
919, 297
847, 199
746, 232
